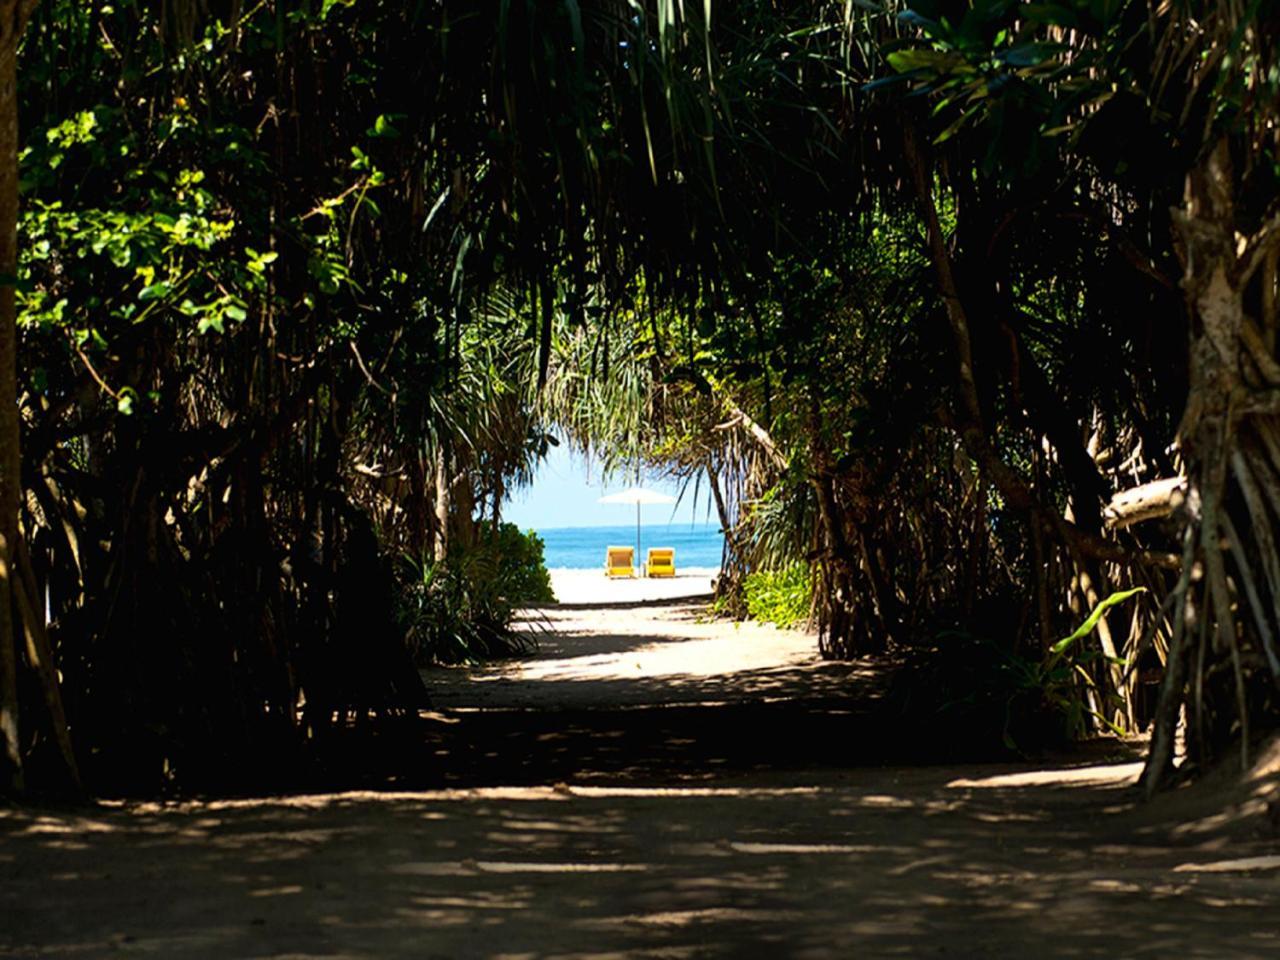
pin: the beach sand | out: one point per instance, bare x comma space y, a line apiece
633, 643
593, 587
653, 784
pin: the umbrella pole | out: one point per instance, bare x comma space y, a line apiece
637, 533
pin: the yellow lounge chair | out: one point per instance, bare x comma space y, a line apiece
661, 562
619, 562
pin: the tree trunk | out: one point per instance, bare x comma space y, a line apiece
732, 566
1230, 439
13, 16
443, 504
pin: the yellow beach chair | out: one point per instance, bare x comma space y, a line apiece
619, 562
661, 562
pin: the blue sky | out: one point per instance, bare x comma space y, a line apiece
565, 491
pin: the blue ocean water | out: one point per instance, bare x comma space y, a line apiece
582, 548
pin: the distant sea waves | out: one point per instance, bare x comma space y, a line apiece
582, 548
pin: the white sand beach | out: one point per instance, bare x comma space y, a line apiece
592, 586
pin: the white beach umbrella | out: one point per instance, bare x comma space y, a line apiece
638, 496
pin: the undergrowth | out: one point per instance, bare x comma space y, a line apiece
782, 597
463, 609
975, 696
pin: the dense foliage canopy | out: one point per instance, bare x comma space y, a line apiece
967, 308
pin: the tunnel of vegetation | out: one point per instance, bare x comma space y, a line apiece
963, 315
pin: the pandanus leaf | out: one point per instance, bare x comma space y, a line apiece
1086, 628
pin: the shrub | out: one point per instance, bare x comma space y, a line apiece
463, 609
783, 597
972, 698
522, 571
978, 697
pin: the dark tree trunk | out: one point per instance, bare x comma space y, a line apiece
1228, 597
13, 19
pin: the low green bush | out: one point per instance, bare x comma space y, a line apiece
783, 597
463, 609
522, 571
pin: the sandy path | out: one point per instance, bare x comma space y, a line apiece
593, 587
665, 653
679, 812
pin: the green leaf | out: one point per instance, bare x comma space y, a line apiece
1028, 54
384, 127
935, 61
156, 291
1087, 627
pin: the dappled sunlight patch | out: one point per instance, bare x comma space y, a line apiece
689, 792
285, 890
470, 868
571, 825
62, 826
800, 848
68, 845
479, 900
688, 918
526, 866
1114, 886
321, 801
841, 864
752, 878
884, 800
912, 866
1117, 774
1223, 819
1009, 816
649, 655
676, 657
665, 952
697, 850
1239, 865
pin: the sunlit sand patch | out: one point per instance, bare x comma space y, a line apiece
914, 865
477, 901
60, 826
884, 800
521, 866
689, 657
686, 918
592, 586
609, 792
465, 868
1117, 773
1245, 864
321, 801
1006, 816
1115, 886
284, 891
560, 826
801, 848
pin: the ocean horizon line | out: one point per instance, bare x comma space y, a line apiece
583, 548
698, 571
632, 526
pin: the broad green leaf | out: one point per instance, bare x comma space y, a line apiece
936, 61
156, 291
1028, 54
